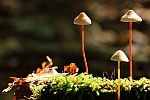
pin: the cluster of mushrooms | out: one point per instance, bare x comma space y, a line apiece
48, 69
82, 19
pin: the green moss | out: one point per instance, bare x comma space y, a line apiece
87, 87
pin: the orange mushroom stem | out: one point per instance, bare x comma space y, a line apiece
83, 51
130, 49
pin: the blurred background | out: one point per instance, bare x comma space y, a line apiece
30, 30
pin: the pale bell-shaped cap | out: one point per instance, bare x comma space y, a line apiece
82, 19
119, 56
130, 16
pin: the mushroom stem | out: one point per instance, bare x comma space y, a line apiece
83, 52
130, 48
118, 80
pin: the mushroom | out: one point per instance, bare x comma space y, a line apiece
130, 16
119, 56
82, 19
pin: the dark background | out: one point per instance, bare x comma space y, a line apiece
30, 30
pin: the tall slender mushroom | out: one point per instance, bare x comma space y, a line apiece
82, 19
130, 17
119, 56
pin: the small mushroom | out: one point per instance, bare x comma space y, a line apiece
119, 56
130, 17
82, 19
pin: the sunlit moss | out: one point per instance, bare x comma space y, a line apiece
87, 87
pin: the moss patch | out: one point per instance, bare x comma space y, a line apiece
87, 87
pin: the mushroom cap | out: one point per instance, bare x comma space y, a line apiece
130, 16
119, 56
82, 19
